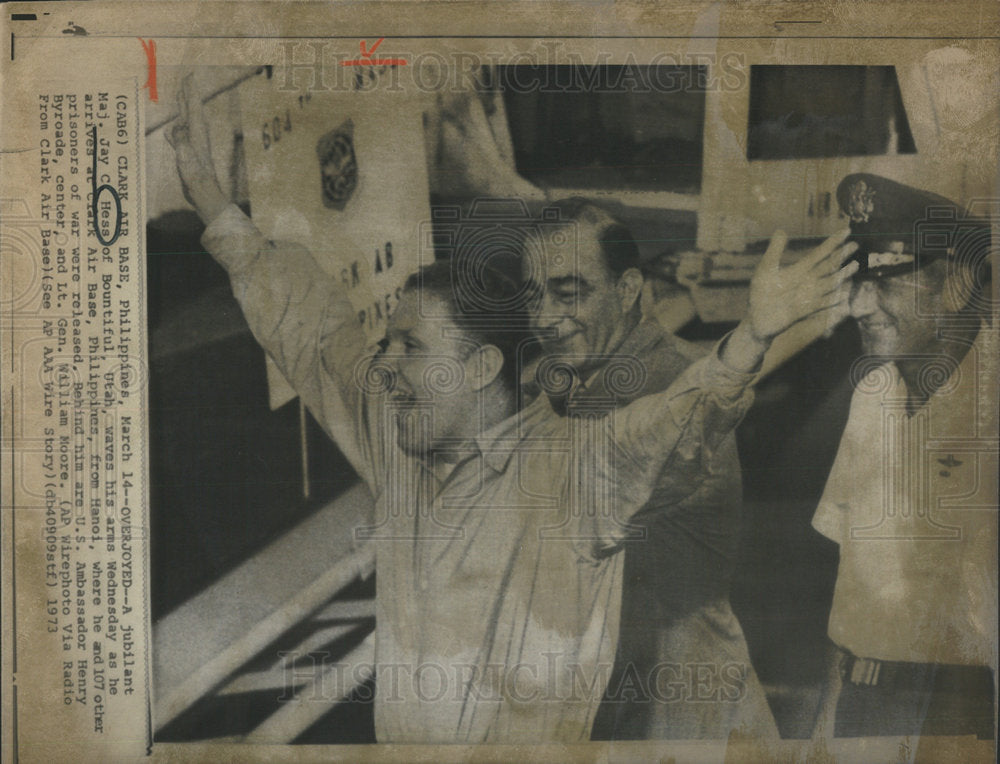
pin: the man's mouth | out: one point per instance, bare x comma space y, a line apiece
561, 339
876, 325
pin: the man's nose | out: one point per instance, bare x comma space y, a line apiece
864, 298
384, 372
547, 312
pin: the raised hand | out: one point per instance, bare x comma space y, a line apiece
189, 137
469, 160
780, 297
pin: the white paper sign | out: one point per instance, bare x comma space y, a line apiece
328, 171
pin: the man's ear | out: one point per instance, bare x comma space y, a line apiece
483, 366
629, 288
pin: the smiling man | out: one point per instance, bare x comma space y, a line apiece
473, 372
495, 529
912, 496
682, 670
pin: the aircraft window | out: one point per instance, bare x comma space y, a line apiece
804, 112
599, 127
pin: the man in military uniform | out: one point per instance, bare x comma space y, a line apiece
912, 496
682, 670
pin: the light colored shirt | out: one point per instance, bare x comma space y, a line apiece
683, 668
912, 502
498, 590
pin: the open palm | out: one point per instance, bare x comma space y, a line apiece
781, 296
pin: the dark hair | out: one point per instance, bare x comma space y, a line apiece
486, 305
618, 247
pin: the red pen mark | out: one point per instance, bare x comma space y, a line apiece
150, 48
367, 60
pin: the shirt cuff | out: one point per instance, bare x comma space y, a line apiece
723, 379
230, 224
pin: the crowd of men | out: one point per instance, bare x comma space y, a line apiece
530, 425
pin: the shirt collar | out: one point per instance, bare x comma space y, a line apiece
643, 336
637, 343
977, 373
496, 445
982, 350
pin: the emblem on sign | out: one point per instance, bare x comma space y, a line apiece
338, 165
860, 203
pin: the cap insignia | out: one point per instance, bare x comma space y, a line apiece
860, 204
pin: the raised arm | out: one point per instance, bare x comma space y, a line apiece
298, 314
665, 441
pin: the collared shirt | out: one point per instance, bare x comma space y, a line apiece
498, 591
696, 532
683, 668
912, 502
